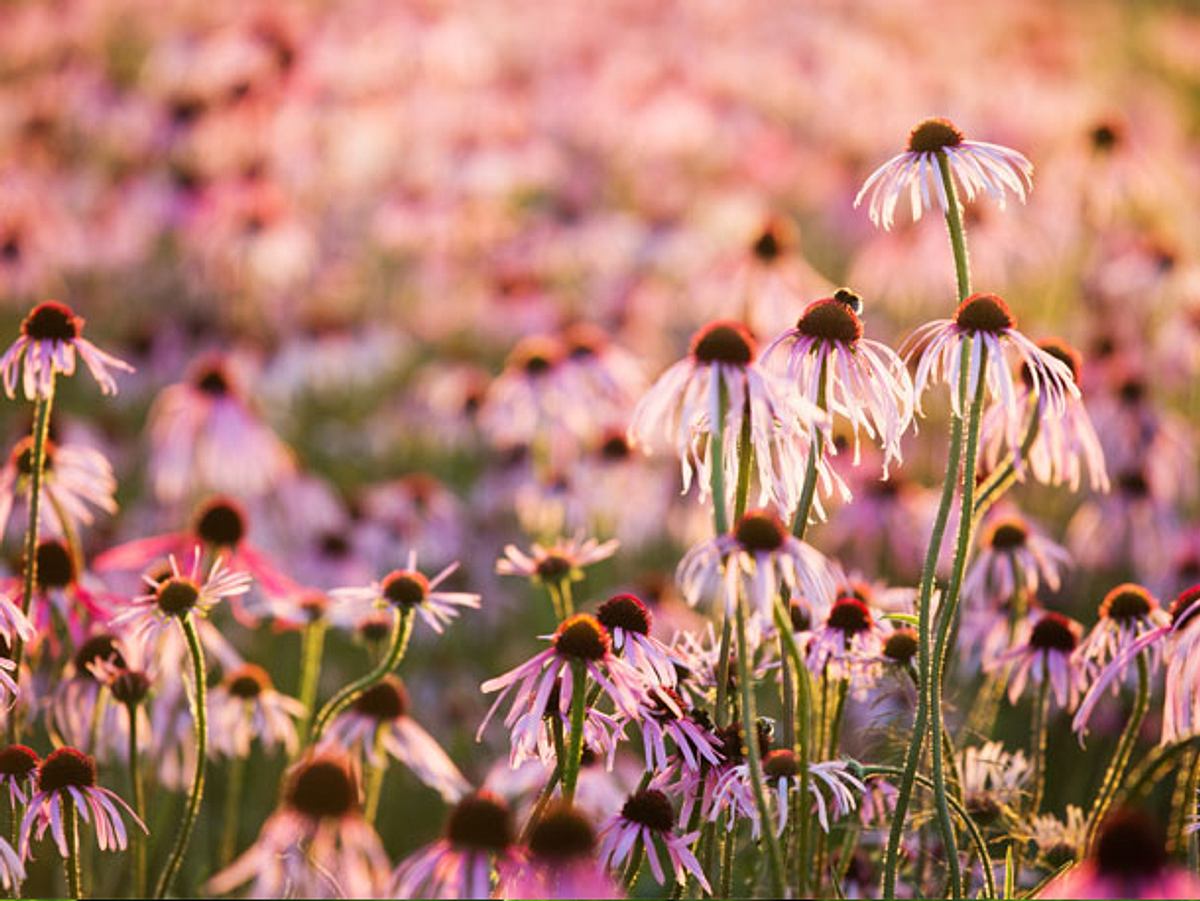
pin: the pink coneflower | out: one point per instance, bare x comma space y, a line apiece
1064, 444
1129, 860
666, 714
74, 479
18, 772
976, 167
73, 707
1179, 639
1014, 557
378, 723
599, 374
177, 595
480, 837
1127, 613
408, 589
781, 770
51, 335
563, 560
991, 780
205, 437
68, 777
246, 706
220, 525
647, 821
683, 407
850, 643
985, 321
561, 861
628, 621
862, 381
1060, 842
61, 590
316, 845
1045, 652
759, 557
580, 639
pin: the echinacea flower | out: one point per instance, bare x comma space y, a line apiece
715, 388
1127, 613
74, 480
317, 844
177, 595
246, 707
564, 560
61, 594
984, 322
561, 860
647, 822
859, 380
77, 700
68, 777
1128, 860
849, 643
1015, 557
666, 714
18, 772
479, 837
781, 771
408, 589
992, 780
51, 336
1060, 842
759, 557
976, 167
379, 720
628, 621
1045, 652
579, 643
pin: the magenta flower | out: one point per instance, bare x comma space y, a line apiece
51, 336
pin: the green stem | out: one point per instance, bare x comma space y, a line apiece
375, 778
912, 756
716, 467
199, 699
71, 861
567, 598
815, 452
948, 609
575, 747
1002, 478
41, 431
312, 650
753, 752
954, 224
783, 623
1119, 764
728, 852
1037, 745
555, 601
629, 878
233, 806
547, 792
139, 803
401, 630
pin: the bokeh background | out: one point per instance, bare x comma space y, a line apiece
360, 208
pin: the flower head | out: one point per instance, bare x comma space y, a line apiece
1045, 651
408, 589
51, 336
1015, 557
976, 167
648, 818
246, 706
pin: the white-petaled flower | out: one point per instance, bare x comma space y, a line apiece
781, 770
406, 588
1063, 445
68, 777
759, 557
1044, 651
1127, 613
379, 721
176, 595
563, 560
316, 845
1060, 842
1015, 557
834, 367
976, 167
50, 339
480, 837
992, 779
74, 479
985, 321
720, 382
648, 819
246, 706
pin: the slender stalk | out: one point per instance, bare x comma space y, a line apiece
1037, 746
401, 630
37, 471
716, 465
312, 650
199, 700
946, 615
728, 852
629, 878
552, 781
71, 861
555, 601
375, 778
1119, 764
575, 747
815, 451
783, 624
139, 803
912, 756
753, 753
958, 237
567, 598
233, 805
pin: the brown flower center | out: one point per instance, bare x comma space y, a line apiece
176, 596
984, 313
830, 319
1008, 534
405, 587
323, 788
248, 682
850, 616
481, 822
650, 808
52, 321
1127, 602
561, 835
221, 523
724, 342
624, 611
18, 761
1054, 633
760, 530
781, 764
901, 646
55, 566
1131, 845
66, 768
384, 701
932, 135
582, 637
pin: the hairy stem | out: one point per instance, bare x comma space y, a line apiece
1119, 764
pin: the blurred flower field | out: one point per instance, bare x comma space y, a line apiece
483, 449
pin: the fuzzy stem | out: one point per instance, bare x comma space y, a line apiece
375, 778
575, 747
552, 781
1037, 745
954, 224
728, 852
566, 597
401, 630
41, 431
634, 866
199, 699
233, 806
815, 451
753, 753
312, 650
783, 623
139, 803
1119, 764
916, 743
71, 861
